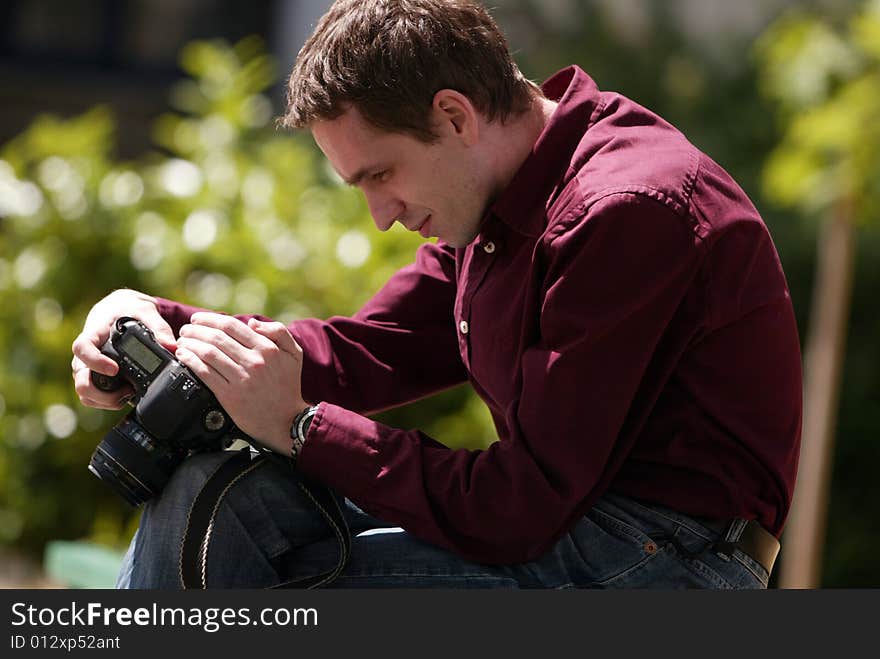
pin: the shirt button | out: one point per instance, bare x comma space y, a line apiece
463, 326
489, 247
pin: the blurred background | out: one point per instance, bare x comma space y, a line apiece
138, 149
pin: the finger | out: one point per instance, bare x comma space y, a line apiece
278, 333
235, 328
88, 402
91, 396
216, 337
86, 348
208, 375
77, 365
205, 359
164, 335
85, 388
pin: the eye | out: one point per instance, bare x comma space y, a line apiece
382, 176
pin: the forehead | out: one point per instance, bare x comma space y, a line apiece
349, 132
351, 143
350, 123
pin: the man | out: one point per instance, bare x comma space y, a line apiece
608, 290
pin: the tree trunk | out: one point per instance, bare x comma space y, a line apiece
804, 537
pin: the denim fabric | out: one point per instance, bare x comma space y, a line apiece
267, 533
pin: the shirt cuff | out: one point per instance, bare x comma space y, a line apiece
341, 451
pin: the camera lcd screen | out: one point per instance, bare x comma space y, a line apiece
141, 354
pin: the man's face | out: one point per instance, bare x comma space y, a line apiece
434, 189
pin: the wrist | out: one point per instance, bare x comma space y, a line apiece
299, 429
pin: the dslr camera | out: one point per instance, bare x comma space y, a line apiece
174, 415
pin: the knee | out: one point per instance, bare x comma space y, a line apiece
163, 523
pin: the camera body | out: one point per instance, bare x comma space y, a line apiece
174, 415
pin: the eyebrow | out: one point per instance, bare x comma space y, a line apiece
355, 178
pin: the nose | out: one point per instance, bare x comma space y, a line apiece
384, 210
383, 224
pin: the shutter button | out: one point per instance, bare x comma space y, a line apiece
463, 326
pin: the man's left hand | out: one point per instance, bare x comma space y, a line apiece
254, 369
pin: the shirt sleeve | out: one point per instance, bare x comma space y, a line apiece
401, 345
615, 275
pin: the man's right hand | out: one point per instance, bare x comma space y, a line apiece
87, 355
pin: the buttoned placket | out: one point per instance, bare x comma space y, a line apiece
477, 262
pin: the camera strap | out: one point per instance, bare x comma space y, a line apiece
203, 512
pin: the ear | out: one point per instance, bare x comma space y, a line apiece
455, 115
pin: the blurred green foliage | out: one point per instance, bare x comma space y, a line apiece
824, 77
227, 213
826, 83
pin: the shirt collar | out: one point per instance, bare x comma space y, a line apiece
523, 203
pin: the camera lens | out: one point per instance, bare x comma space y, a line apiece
131, 461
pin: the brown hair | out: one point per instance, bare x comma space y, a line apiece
389, 57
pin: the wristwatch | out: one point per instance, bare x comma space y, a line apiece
299, 429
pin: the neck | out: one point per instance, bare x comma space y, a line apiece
512, 142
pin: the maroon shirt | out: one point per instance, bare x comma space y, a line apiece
623, 314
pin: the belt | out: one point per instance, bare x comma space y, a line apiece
746, 535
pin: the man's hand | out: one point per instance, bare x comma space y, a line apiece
254, 369
87, 353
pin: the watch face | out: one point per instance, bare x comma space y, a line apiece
306, 423
300, 428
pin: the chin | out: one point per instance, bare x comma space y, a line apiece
458, 241
453, 242
467, 240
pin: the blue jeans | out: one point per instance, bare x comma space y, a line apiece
267, 533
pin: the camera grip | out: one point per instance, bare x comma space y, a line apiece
106, 382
